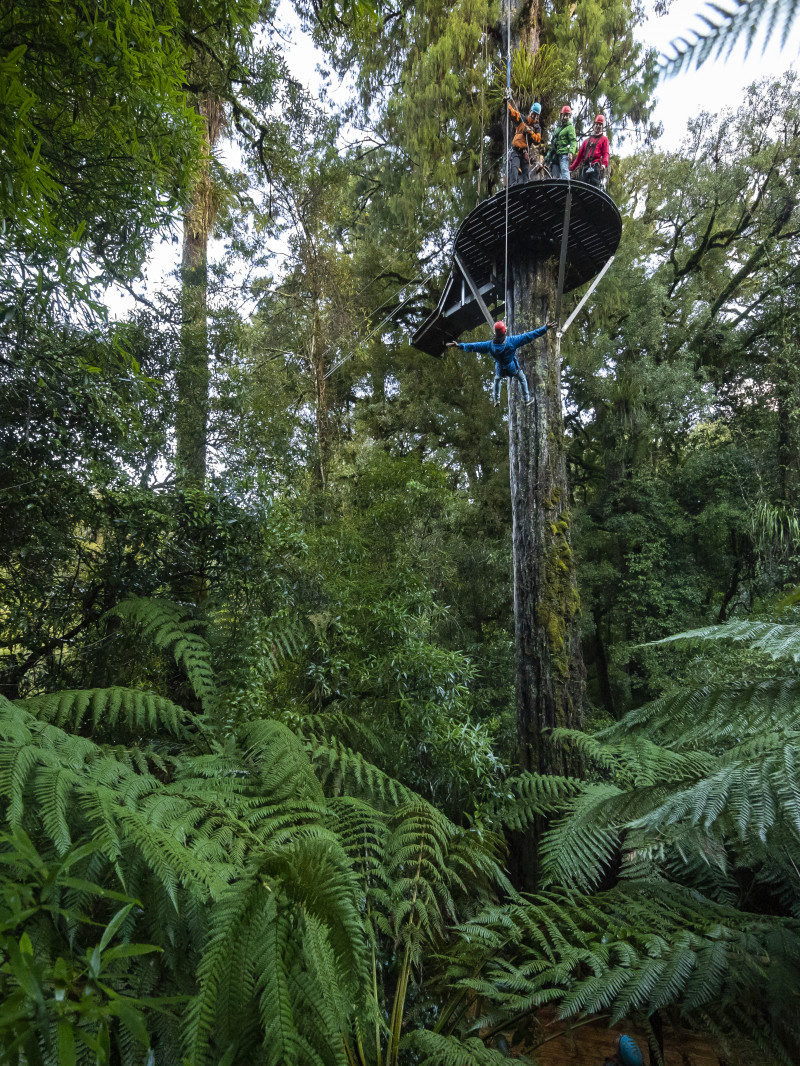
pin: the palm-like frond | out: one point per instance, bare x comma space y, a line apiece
723, 26
111, 713
528, 796
279, 894
777, 640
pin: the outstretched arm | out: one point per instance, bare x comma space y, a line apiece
476, 346
531, 335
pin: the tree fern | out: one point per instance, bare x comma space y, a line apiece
279, 895
437, 1050
111, 713
343, 770
641, 947
166, 625
775, 639
525, 797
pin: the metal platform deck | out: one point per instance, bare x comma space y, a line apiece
535, 222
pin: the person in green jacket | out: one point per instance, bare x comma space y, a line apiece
563, 145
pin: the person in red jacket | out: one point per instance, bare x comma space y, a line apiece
591, 162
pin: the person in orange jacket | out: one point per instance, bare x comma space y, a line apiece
528, 133
591, 162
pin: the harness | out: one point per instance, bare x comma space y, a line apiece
504, 370
591, 143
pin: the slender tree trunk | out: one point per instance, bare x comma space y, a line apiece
320, 397
549, 665
193, 376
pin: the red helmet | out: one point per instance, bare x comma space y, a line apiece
501, 326
566, 110
601, 120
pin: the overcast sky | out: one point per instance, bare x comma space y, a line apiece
715, 85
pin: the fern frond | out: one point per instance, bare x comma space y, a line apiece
582, 844
111, 713
643, 946
528, 796
167, 626
777, 640
343, 770
714, 714
438, 1050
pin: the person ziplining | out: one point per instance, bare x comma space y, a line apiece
626, 1053
503, 348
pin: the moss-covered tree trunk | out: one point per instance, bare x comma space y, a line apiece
193, 378
549, 665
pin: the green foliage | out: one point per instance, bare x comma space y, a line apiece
165, 624
242, 869
258, 744
449, 1051
643, 946
97, 146
58, 1006
683, 466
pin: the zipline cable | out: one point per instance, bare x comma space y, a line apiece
508, 160
379, 327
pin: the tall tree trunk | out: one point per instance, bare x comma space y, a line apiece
548, 661
193, 376
322, 415
549, 665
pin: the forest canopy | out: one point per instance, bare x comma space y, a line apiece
260, 763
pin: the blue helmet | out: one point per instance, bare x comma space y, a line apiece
537, 109
629, 1052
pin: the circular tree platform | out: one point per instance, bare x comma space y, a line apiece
535, 225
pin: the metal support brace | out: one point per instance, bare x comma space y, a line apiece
586, 296
562, 266
473, 288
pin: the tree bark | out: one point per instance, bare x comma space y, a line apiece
321, 411
193, 375
549, 665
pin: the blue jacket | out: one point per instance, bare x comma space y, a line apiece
504, 353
